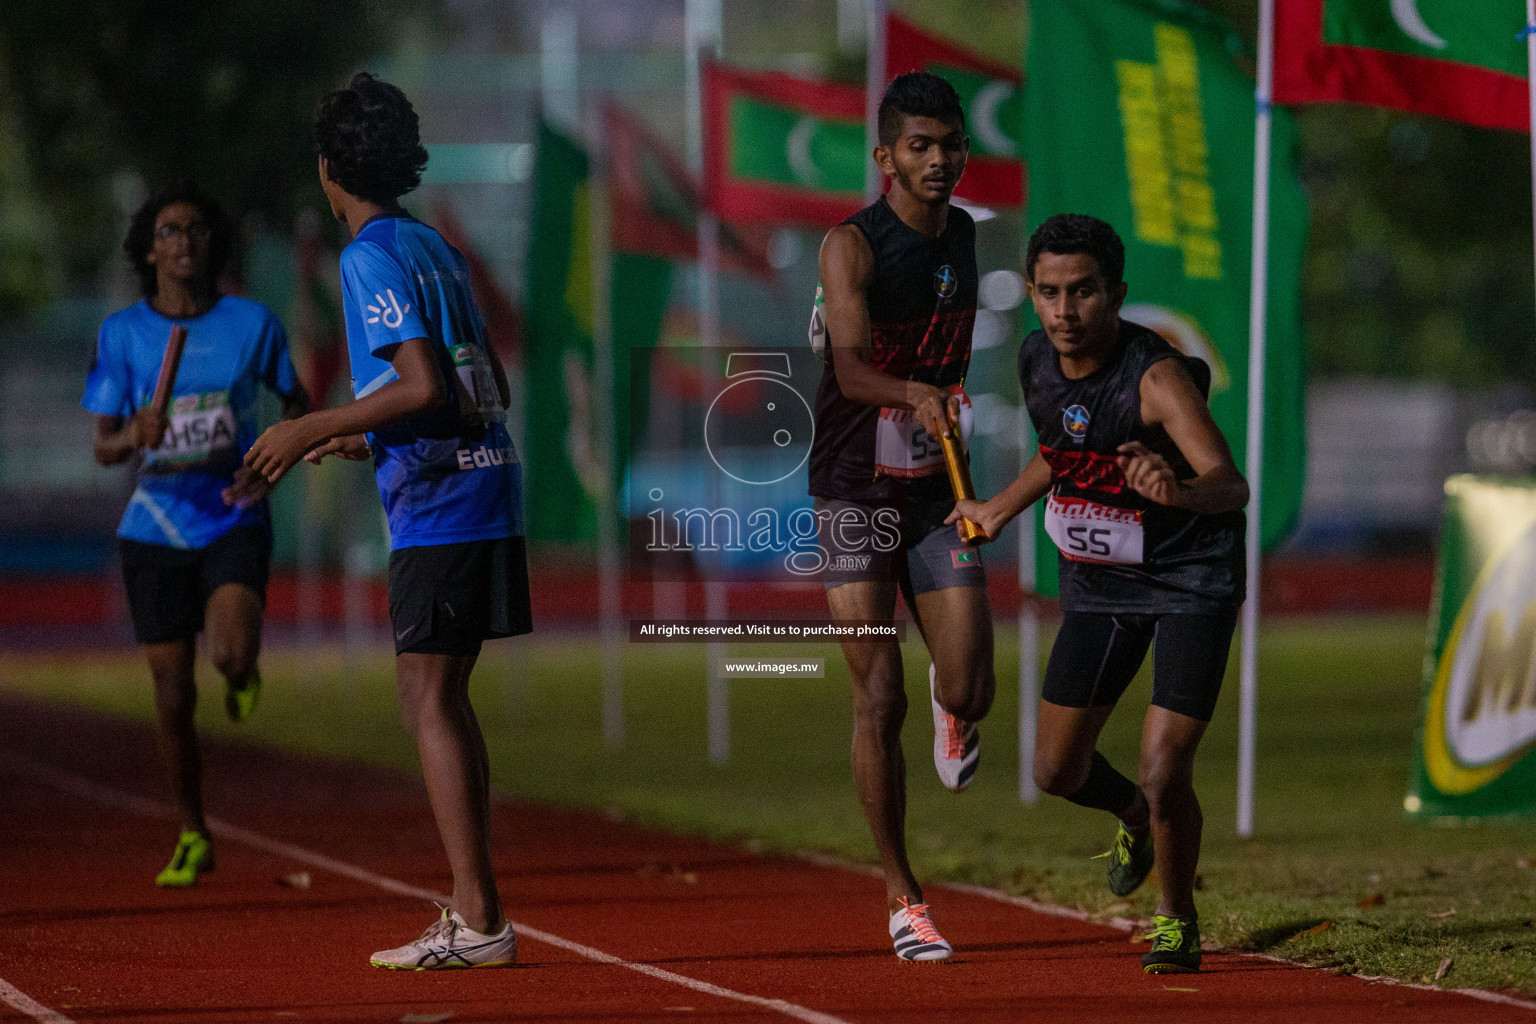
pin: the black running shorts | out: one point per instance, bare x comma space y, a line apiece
1097, 654
168, 588
448, 598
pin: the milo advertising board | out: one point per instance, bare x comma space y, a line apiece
1477, 751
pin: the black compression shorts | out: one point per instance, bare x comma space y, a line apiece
1097, 654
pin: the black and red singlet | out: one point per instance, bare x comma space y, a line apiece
1122, 552
922, 308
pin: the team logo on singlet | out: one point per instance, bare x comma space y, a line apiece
1075, 419
945, 281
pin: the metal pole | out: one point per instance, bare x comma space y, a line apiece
874, 88
1029, 631
1530, 59
1258, 308
703, 30
609, 578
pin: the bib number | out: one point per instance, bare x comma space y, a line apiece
201, 429
475, 385
1086, 531
903, 447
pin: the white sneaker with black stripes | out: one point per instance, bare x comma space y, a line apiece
915, 937
956, 744
449, 943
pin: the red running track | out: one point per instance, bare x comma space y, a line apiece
619, 923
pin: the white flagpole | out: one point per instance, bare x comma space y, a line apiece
1258, 308
1029, 632
874, 89
703, 30
610, 586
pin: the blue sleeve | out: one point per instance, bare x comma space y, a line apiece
383, 290
107, 388
277, 370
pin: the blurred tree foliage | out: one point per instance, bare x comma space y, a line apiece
99, 98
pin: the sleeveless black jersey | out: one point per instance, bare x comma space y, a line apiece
922, 308
1120, 551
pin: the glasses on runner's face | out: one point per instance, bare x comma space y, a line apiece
195, 232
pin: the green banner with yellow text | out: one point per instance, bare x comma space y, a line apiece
1476, 754
1140, 113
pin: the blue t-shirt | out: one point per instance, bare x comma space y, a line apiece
447, 475
230, 349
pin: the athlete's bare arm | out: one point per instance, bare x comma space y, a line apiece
997, 512
847, 267
420, 386
1170, 399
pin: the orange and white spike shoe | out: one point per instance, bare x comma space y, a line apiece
915, 937
956, 744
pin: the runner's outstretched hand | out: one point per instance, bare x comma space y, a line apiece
352, 447
248, 488
280, 448
976, 512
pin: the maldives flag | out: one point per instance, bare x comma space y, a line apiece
654, 202
1460, 59
989, 91
780, 149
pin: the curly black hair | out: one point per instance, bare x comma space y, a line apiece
918, 94
141, 232
1068, 234
370, 136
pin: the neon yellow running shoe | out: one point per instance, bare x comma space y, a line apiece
193, 856
240, 701
1130, 861
1175, 946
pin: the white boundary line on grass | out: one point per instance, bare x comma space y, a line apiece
83, 787
1128, 924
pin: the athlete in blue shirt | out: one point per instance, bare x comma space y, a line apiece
196, 538
430, 398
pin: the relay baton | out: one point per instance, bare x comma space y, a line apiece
959, 467
168, 366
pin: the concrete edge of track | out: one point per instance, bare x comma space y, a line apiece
1128, 924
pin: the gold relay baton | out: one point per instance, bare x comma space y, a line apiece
959, 466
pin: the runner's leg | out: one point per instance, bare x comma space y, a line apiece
233, 624
434, 702
956, 624
1168, 744
879, 708
172, 664
1093, 660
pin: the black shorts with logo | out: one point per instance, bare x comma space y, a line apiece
449, 598
168, 588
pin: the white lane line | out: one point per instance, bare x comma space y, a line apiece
78, 786
16, 999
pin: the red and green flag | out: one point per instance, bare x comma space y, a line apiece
654, 202
994, 110
1460, 59
780, 149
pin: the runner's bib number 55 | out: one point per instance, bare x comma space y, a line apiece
1086, 531
903, 447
